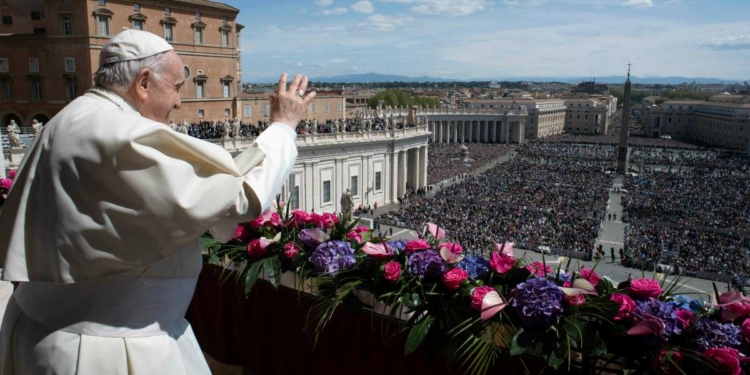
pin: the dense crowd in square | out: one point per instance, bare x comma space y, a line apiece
446, 161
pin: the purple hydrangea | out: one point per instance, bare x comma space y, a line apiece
680, 301
476, 266
663, 311
712, 334
428, 264
538, 302
397, 246
312, 237
332, 256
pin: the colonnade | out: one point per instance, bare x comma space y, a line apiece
480, 131
410, 169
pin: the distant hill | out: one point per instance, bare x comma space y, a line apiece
380, 78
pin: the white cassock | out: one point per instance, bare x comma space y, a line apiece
101, 228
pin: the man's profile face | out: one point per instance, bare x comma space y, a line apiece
166, 91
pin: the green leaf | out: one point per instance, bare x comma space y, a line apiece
272, 269
214, 259
522, 341
417, 334
411, 300
252, 276
555, 351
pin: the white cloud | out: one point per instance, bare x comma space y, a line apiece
334, 11
363, 7
445, 7
381, 22
729, 42
639, 3
523, 3
323, 3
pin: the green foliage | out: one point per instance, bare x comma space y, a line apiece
399, 98
417, 334
637, 96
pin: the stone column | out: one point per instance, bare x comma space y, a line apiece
339, 185
493, 130
412, 179
308, 187
392, 182
463, 132
471, 131
423, 160
485, 131
455, 131
402, 168
506, 130
448, 139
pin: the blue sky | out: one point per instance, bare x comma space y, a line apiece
466, 39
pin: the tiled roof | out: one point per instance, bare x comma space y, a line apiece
209, 4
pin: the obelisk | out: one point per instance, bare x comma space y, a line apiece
622, 150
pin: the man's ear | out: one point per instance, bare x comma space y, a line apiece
143, 83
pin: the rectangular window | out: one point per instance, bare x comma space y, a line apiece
35, 16
138, 24
136, 7
34, 65
248, 110
313, 108
226, 112
201, 113
3, 65
227, 89
353, 185
6, 88
169, 32
325, 107
102, 2
66, 1
70, 65
103, 27
67, 24
339, 106
198, 15
198, 35
36, 89
7, 21
378, 185
40, 30
201, 92
265, 110
225, 38
326, 191
168, 11
71, 88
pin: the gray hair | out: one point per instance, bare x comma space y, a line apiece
118, 76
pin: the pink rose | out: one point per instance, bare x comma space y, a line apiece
452, 246
241, 233
538, 269
501, 264
453, 278
317, 220
575, 300
354, 236
377, 251
329, 220
12, 174
726, 360
736, 306
685, 317
361, 229
627, 305
745, 329
258, 247
300, 217
645, 288
590, 276
416, 245
6, 183
268, 219
290, 250
477, 296
392, 271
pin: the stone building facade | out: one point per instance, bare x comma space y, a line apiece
327, 105
721, 121
49, 51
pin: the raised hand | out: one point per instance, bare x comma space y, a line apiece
287, 105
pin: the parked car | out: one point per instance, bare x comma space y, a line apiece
543, 249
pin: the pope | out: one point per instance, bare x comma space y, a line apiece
102, 224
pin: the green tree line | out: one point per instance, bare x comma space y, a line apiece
638, 96
399, 98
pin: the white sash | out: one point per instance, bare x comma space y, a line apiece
110, 307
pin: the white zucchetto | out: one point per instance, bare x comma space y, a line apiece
132, 45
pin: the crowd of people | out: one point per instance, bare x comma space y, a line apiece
545, 195
690, 249
613, 139
694, 197
707, 159
446, 161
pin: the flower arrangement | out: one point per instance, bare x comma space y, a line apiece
6, 183
477, 308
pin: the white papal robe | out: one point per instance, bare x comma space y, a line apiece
101, 228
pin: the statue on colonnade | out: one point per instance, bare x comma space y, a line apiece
13, 132
347, 203
36, 126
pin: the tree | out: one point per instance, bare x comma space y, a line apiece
399, 98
